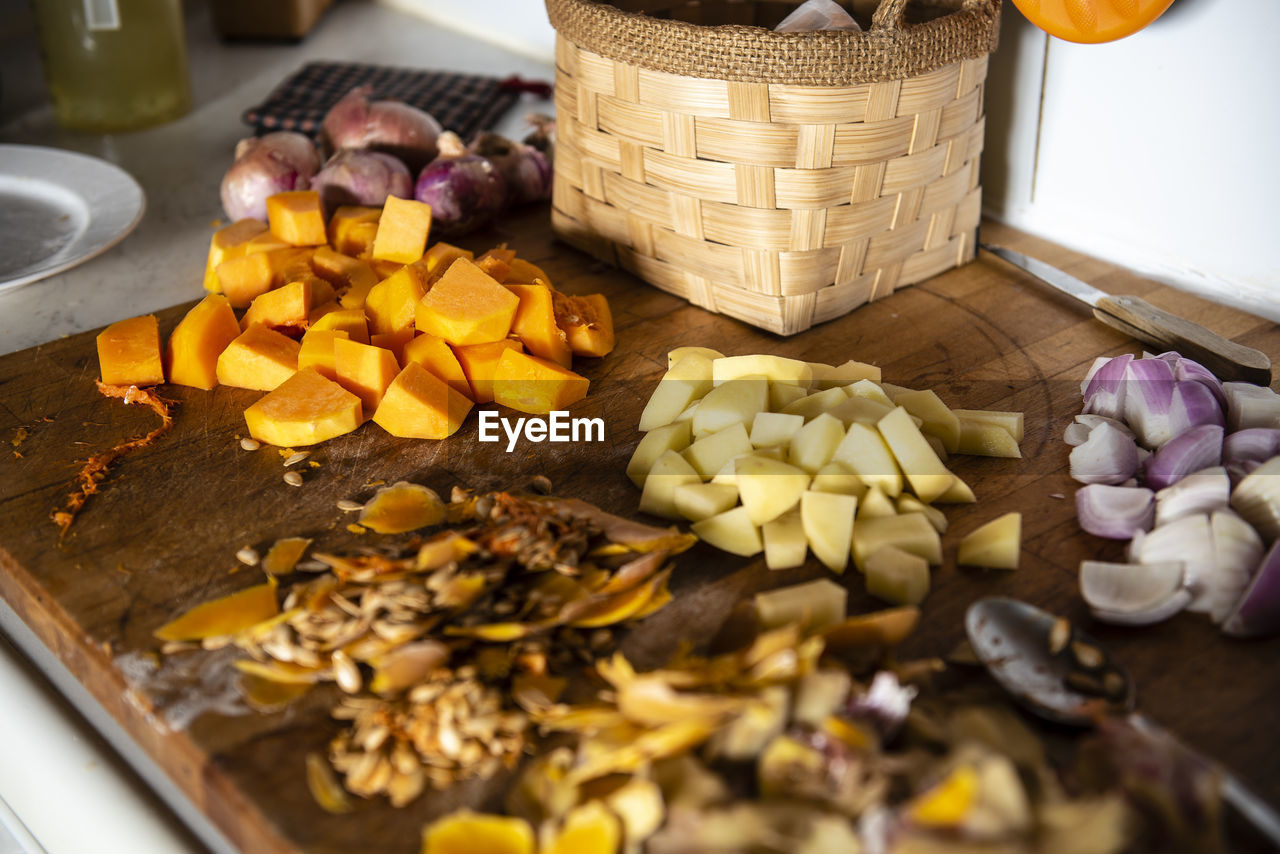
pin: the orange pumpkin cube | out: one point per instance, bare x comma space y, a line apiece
297, 218
393, 341
587, 323
129, 352
246, 277
497, 262
304, 410
402, 230
285, 309
535, 324
392, 303
352, 229
349, 320
259, 358
316, 351
524, 273
228, 242
435, 355
528, 384
466, 306
364, 370
350, 276
438, 258
420, 405
480, 361
191, 358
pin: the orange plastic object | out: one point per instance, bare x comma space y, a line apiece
1091, 21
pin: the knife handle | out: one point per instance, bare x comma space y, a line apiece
1227, 359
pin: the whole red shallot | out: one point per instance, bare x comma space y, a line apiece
392, 127
264, 166
524, 168
359, 177
463, 189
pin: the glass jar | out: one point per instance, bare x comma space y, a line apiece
114, 65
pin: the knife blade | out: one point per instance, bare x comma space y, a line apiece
1150, 325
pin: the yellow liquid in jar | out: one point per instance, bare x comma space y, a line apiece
114, 65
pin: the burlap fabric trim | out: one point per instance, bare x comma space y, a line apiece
890, 50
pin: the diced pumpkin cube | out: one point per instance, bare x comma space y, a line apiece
528, 384
129, 352
535, 325
523, 272
297, 218
352, 228
191, 359
349, 320
463, 832
228, 242
285, 309
259, 358
420, 405
265, 241
393, 341
316, 351
480, 363
364, 370
319, 311
402, 230
244, 277
435, 355
441, 255
352, 277
393, 302
497, 262
304, 410
587, 323
466, 306
383, 269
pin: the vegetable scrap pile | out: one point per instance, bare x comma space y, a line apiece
1182, 466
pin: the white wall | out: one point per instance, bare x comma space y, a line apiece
1158, 152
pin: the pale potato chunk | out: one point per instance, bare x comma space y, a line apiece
768, 488
828, 526
679, 353
698, 501
814, 443
938, 420
785, 545
685, 382
735, 401
928, 477
868, 390
958, 493
897, 576
864, 451
782, 394
710, 453
985, 439
826, 376
813, 405
862, 410
668, 471
731, 531
776, 369
814, 605
820, 694
774, 428
910, 532
838, 477
995, 545
670, 437
1013, 422
908, 503
875, 504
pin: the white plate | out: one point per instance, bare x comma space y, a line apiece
58, 209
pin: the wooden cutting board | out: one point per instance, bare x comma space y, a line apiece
162, 534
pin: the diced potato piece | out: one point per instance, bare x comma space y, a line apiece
775, 428
419, 405
820, 694
860, 410
348, 320
897, 576
826, 376
668, 471
438, 358
679, 353
995, 545
669, 437
910, 532
466, 306
364, 370
782, 395
587, 323
259, 358
284, 309
296, 218
710, 453
866, 454
528, 384
1013, 422
736, 400
228, 242
402, 230
731, 531
768, 488
868, 390
191, 357
958, 493
438, 258
785, 545
874, 503
480, 363
928, 477
352, 228
535, 325
837, 477
937, 419
813, 444
813, 405
908, 503
893, 390
392, 304
129, 352
698, 501
316, 352
683, 384
814, 605
304, 410
776, 369
939, 449
987, 439
828, 526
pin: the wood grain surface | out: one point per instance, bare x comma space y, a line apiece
162, 534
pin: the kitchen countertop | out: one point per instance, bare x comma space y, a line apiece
66, 791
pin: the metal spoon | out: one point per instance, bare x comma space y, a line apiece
1036, 657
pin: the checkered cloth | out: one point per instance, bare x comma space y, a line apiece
462, 103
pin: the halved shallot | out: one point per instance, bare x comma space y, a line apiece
1115, 512
1133, 594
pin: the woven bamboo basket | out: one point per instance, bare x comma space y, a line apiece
781, 179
